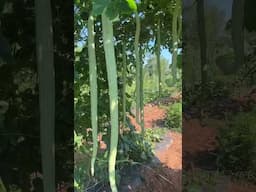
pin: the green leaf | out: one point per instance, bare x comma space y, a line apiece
2, 187
124, 7
78, 140
78, 49
132, 4
98, 6
179, 61
112, 11
143, 155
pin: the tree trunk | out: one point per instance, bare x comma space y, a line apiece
45, 62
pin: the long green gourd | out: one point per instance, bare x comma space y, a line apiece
124, 83
107, 28
179, 19
141, 98
175, 39
45, 64
137, 60
93, 90
158, 56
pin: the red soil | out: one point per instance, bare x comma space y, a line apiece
152, 114
171, 157
235, 187
168, 177
198, 138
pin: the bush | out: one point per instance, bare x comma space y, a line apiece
154, 135
214, 90
174, 116
133, 147
237, 147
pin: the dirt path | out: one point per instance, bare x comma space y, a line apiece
168, 176
170, 157
153, 117
198, 139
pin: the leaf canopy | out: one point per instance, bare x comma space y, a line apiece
114, 8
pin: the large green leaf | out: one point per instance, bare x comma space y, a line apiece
113, 7
113, 10
98, 6
124, 7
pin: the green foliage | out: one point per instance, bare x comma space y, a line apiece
135, 148
200, 179
154, 135
237, 147
132, 4
212, 92
81, 168
98, 6
113, 7
2, 187
179, 61
153, 96
174, 117
131, 146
